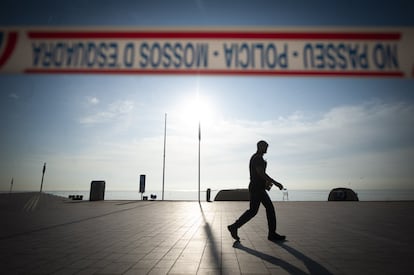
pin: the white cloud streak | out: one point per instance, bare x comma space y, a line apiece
93, 100
14, 96
114, 111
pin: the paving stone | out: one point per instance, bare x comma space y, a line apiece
181, 237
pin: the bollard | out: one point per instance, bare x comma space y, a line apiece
208, 194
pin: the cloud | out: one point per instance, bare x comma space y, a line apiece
369, 145
371, 126
344, 143
14, 96
121, 107
93, 100
114, 111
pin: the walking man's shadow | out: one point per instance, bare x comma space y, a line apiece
312, 266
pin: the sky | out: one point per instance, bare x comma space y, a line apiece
323, 132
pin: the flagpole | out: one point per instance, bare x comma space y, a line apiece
163, 162
199, 146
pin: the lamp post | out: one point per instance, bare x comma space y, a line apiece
163, 162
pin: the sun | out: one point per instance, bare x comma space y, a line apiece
196, 109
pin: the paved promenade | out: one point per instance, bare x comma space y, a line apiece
51, 235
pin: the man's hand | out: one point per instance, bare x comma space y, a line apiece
278, 184
268, 185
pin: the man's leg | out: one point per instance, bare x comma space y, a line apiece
270, 213
271, 219
246, 216
251, 212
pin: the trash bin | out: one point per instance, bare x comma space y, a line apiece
97, 192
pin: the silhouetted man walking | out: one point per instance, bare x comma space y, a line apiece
259, 182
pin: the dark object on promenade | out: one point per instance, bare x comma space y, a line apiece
76, 197
208, 195
233, 195
97, 192
342, 194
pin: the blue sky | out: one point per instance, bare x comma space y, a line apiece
323, 132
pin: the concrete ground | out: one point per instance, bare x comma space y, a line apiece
44, 234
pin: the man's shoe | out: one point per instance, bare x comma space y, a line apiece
276, 237
233, 232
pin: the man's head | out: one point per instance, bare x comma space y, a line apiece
262, 146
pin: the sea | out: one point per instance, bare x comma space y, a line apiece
292, 195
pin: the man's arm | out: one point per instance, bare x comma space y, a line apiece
260, 170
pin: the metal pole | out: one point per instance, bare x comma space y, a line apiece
43, 174
163, 162
11, 186
199, 146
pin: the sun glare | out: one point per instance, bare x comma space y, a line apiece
196, 109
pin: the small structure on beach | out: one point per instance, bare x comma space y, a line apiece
233, 195
97, 192
342, 194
